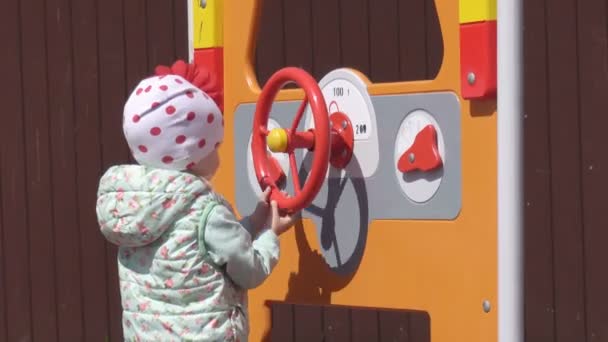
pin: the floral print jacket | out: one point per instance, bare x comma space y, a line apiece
184, 260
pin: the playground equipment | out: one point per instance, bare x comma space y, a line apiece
410, 191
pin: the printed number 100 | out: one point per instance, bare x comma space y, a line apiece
339, 91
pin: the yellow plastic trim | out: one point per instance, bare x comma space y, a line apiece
208, 23
477, 10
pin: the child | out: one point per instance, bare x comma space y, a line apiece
184, 260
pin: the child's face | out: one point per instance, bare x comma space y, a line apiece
208, 166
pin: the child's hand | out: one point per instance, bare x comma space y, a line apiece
280, 223
260, 214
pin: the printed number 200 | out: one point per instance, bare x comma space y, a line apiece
360, 128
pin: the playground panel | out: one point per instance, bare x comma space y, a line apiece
370, 239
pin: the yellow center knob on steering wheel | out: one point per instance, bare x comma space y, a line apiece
277, 140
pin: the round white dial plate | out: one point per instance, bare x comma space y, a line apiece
343, 96
345, 91
417, 186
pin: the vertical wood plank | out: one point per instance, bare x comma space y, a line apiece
3, 332
565, 168
364, 325
298, 34
539, 277
412, 40
355, 35
420, 327
384, 40
344, 323
593, 91
36, 141
113, 147
12, 177
61, 113
336, 324
325, 36
434, 40
270, 41
180, 29
308, 323
136, 46
88, 157
159, 28
282, 323
136, 54
393, 326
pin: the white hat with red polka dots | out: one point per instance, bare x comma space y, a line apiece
169, 123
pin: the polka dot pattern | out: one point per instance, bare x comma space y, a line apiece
175, 127
155, 131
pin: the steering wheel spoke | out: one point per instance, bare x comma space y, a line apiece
294, 173
299, 114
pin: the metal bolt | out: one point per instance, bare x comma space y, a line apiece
471, 78
344, 124
412, 157
203, 3
487, 306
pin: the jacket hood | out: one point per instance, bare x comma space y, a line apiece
137, 204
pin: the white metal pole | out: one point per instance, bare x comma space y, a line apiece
510, 171
190, 31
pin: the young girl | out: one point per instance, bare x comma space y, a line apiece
184, 260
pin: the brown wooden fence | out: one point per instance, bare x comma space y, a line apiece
67, 67
566, 96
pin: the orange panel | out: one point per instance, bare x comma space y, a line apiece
447, 268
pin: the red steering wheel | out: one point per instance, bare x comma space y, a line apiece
317, 140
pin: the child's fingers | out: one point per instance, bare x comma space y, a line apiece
275, 208
265, 195
275, 213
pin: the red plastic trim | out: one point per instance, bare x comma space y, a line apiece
478, 58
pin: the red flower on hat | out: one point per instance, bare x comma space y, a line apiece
198, 75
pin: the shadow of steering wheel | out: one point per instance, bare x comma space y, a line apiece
316, 280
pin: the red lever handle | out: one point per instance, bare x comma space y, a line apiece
423, 155
275, 172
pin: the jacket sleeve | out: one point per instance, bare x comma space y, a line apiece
248, 262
